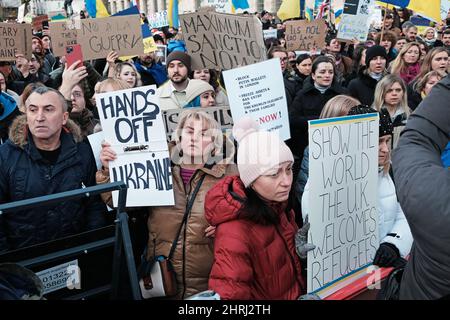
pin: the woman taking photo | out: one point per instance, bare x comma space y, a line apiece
390, 94
254, 250
197, 164
407, 63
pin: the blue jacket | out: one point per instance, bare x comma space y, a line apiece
25, 174
446, 156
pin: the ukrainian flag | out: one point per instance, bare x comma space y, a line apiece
430, 9
96, 8
239, 4
172, 14
289, 9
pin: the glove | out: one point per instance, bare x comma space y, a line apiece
301, 241
386, 255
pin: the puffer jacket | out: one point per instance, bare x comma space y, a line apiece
25, 174
392, 225
193, 256
251, 261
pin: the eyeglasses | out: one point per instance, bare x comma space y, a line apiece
77, 94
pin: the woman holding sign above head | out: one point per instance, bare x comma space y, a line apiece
197, 165
254, 251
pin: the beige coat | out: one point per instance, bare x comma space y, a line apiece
194, 253
167, 99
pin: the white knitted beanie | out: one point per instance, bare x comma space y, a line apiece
258, 151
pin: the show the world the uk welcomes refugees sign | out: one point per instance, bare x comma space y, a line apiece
219, 40
258, 91
132, 122
342, 202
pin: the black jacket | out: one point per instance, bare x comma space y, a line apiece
363, 88
308, 105
25, 174
423, 189
414, 97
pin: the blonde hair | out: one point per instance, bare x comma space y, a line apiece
118, 70
421, 83
115, 83
338, 106
427, 61
381, 89
213, 129
399, 65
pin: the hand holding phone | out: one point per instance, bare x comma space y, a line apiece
73, 54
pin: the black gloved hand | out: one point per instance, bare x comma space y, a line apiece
386, 255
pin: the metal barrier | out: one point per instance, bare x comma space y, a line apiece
120, 241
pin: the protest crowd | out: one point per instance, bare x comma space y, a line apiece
236, 210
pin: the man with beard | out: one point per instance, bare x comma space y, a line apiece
151, 71
175, 93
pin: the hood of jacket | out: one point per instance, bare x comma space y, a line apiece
18, 131
224, 200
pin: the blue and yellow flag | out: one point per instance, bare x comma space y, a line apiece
289, 9
430, 9
96, 8
172, 14
239, 4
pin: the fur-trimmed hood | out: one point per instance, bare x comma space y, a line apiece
18, 131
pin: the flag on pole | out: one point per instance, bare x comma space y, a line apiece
134, 3
96, 8
429, 9
289, 9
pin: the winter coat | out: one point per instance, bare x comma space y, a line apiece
363, 88
423, 188
155, 74
391, 219
193, 256
308, 105
85, 120
302, 177
25, 174
251, 261
446, 156
291, 87
167, 98
414, 97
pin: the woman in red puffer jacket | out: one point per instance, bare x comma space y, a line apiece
254, 249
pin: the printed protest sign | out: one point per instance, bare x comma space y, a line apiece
122, 34
270, 33
342, 202
218, 40
158, 19
355, 20
15, 39
221, 114
258, 91
304, 36
132, 123
63, 33
223, 6
161, 53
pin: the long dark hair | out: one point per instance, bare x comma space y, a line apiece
257, 210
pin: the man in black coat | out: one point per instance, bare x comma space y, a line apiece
423, 189
45, 155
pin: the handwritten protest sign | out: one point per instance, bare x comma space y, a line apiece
355, 20
270, 33
14, 38
158, 19
221, 114
223, 6
122, 34
225, 41
63, 33
304, 36
258, 91
132, 122
343, 180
